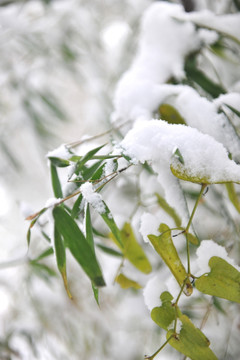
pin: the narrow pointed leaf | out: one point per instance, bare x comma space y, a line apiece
132, 250
78, 245
165, 314
76, 207
191, 341
89, 232
59, 162
87, 157
164, 246
109, 220
95, 293
223, 280
61, 258
168, 209
127, 283
233, 197
56, 185
49, 251
109, 250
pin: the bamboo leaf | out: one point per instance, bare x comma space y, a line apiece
58, 162
89, 232
49, 251
165, 314
109, 250
223, 280
127, 283
61, 258
76, 207
85, 158
56, 185
170, 114
132, 250
233, 197
168, 209
78, 245
109, 220
191, 341
164, 246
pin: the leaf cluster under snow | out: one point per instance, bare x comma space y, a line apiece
93, 197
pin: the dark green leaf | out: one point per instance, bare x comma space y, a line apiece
95, 293
76, 207
59, 162
49, 251
56, 185
86, 157
109, 220
234, 110
78, 245
61, 258
109, 250
89, 232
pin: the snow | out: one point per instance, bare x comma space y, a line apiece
208, 249
205, 159
164, 44
61, 152
149, 225
93, 197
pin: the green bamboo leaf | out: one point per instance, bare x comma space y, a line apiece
199, 77
95, 293
164, 246
76, 207
49, 251
223, 280
109, 250
109, 220
132, 250
127, 283
92, 172
89, 232
56, 185
85, 158
191, 341
170, 114
233, 197
168, 209
61, 258
165, 314
58, 162
53, 105
78, 245
234, 110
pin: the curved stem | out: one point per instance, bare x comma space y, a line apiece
158, 351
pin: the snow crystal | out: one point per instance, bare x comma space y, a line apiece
61, 152
208, 249
93, 197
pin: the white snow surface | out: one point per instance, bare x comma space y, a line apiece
93, 197
208, 249
164, 43
204, 158
61, 152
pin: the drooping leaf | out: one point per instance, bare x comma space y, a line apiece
109, 220
49, 251
223, 280
78, 245
233, 197
58, 162
164, 246
61, 258
76, 207
233, 109
109, 250
199, 77
86, 157
56, 185
127, 283
132, 250
165, 314
191, 341
168, 209
95, 293
170, 114
89, 232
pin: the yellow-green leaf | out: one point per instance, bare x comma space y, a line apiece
164, 246
223, 280
165, 314
170, 114
132, 250
127, 283
191, 341
233, 196
168, 209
